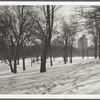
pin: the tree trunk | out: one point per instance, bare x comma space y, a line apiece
43, 58
24, 64
82, 53
71, 53
18, 55
43, 63
37, 58
51, 57
99, 44
15, 65
64, 60
95, 42
49, 26
23, 57
10, 64
18, 61
33, 60
15, 53
66, 51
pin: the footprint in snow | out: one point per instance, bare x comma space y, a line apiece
76, 87
21, 89
54, 85
37, 88
31, 91
43, 93
74, 83
1, 87
62, 84
64, 79
26, 92
48, 89
68, 77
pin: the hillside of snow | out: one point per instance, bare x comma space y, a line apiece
80, 77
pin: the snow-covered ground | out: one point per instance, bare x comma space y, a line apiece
80, 77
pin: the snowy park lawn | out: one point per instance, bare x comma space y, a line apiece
80, 77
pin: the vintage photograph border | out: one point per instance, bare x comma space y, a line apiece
48, 97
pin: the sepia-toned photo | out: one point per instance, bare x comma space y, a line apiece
50, 49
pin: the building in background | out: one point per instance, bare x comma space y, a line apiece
83, 45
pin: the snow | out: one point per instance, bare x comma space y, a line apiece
80, 77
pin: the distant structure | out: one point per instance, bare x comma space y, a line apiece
83, 45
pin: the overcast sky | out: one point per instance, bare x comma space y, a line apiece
66, 12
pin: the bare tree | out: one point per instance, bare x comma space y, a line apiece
18, 25
6, 36
73, 31
66, 36
46, 33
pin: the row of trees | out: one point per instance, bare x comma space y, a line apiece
16, 26
22, 27
91, 14
29, 29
